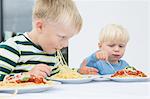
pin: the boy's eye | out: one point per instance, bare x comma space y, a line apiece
62, 37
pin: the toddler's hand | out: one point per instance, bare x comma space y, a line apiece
102, 55
87, 70
41, 70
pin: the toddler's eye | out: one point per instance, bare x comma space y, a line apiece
111, 45
121, 46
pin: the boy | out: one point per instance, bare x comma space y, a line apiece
33, 53
107, 60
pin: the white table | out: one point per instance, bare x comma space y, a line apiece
92, 90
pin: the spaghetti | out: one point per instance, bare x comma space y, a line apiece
23, 81
65, 72
128, 72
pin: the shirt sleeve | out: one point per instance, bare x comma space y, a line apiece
9, 57
91, 59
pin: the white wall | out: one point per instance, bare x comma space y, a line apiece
133, 15
149, 36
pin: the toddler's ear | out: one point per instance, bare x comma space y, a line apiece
99, 45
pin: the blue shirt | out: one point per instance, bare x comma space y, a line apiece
104, 67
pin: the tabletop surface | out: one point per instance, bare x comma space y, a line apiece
93, 89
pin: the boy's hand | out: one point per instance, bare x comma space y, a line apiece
41, 70
87, 70
102, 55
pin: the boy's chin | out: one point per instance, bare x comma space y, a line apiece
51, 51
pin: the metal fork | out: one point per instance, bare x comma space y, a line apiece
110, 66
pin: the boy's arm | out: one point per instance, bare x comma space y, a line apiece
2, 77
8, 60
41, 70
4, 70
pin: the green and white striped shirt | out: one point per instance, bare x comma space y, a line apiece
19, 54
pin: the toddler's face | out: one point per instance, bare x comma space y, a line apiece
115, 50
55, 37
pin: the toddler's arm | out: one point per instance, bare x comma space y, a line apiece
84, 69
102, 55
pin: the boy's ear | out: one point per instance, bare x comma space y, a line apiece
39, 25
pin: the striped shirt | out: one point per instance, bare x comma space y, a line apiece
19, 54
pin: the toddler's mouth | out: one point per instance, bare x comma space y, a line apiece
116, 55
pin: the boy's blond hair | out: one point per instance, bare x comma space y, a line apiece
58, 11
114, 33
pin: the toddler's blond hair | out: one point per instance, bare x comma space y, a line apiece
114, 33
58, 11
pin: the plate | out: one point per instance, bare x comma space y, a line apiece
30, 89
102, 78
129, 79
85, 79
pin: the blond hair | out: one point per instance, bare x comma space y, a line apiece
58, 11
114, 33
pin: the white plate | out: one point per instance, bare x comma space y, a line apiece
102, 78
30, 89
85, 79
129, 79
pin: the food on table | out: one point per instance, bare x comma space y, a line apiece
129, 71
64, 71
20, 80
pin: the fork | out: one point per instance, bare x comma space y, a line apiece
110, 65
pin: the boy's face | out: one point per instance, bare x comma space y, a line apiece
54, 37
115, 50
